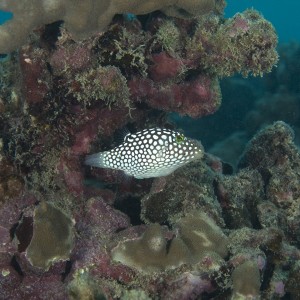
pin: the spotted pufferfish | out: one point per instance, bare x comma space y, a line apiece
149, 153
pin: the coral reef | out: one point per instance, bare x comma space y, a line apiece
274, 97
85, 19
200, 232
236, 38
192, 258
203, 51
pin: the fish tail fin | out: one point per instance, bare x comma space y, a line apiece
94, 160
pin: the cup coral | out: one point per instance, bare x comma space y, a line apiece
52, 238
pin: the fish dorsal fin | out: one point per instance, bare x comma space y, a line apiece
121, 135
125, 134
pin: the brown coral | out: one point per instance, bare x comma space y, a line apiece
246, 281
199, 239
83, 19
52, 237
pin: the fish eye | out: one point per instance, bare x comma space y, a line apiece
179, 138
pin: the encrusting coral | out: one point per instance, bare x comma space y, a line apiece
201, 235
83, 19
52, 238
198, 238
246, 281
149, 253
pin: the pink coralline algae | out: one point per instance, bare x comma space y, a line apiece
190, 235
36, 81
165, 67
199, 97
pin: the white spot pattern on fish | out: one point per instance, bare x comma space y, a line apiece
149, 153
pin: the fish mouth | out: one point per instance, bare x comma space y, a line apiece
197, 144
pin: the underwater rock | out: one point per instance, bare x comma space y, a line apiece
71, 57
70, 170
105, 84
104, 219
84, 287
50, 287
240, 41
96, 224
245, 187
277, 141
292, 286
273, 153
11, 183
187, 189
165, 67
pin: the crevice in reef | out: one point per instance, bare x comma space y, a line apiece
67, 271
14, 263
131, 206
